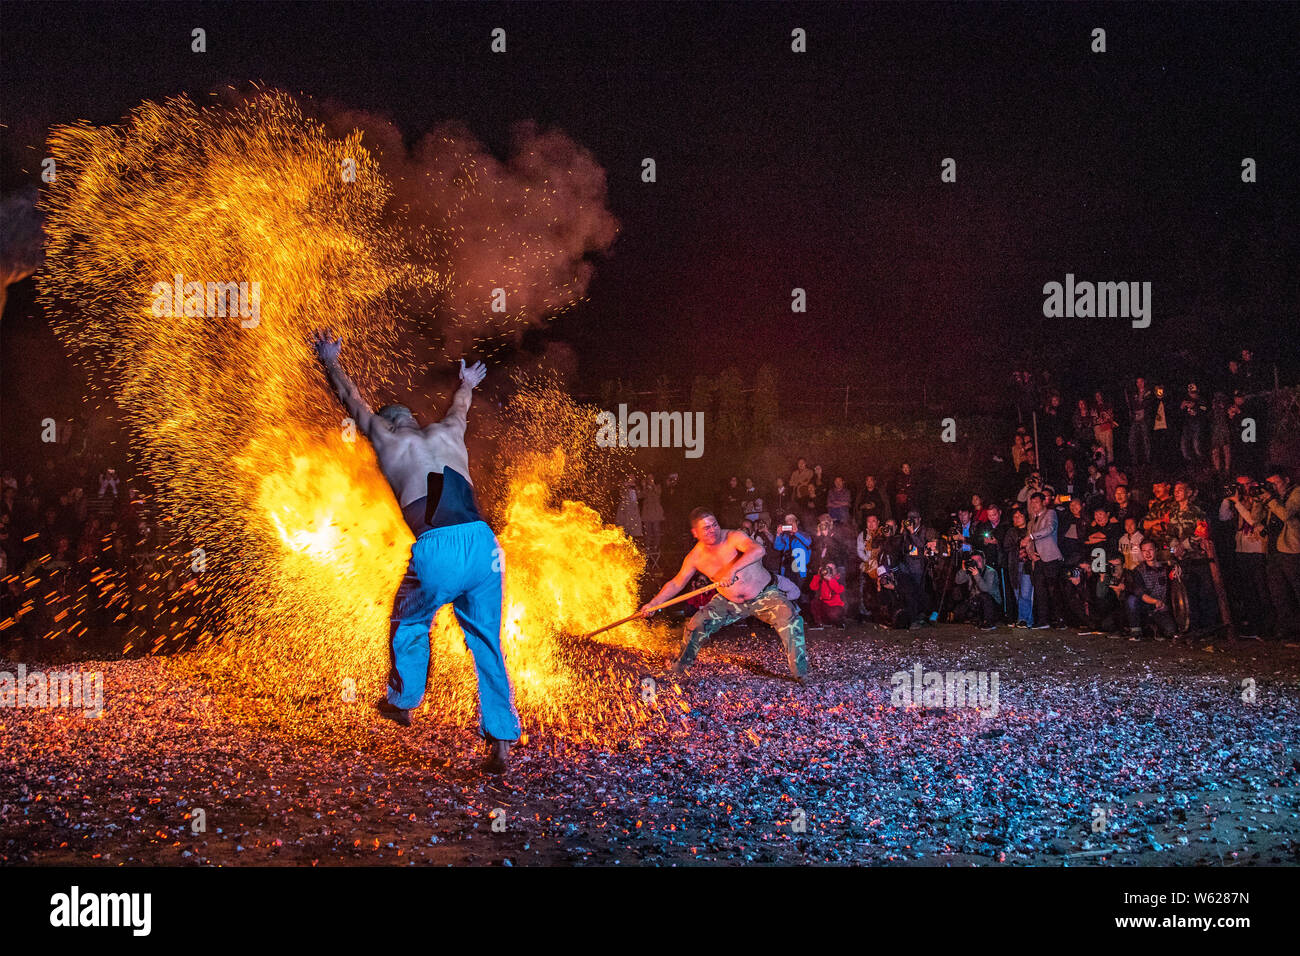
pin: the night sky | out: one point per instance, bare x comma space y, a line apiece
819, 170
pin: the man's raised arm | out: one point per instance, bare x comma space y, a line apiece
327, 351
470, 378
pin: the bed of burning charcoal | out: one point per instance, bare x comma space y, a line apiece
1095, 752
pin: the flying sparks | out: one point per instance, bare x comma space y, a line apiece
293, 527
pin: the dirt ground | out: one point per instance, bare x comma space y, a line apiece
1099, 752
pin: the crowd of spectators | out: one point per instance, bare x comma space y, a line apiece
80, 552
1153, 515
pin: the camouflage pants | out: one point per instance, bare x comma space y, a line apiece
769, 606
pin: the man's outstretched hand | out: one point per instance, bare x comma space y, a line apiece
474, 374
327, 349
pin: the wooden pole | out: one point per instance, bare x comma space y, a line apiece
677, 600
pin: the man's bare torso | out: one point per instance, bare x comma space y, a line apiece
712, 559
407, 454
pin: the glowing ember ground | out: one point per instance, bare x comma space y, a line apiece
1158, 737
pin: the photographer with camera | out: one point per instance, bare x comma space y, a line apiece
984, 604
1106, 609
827, 545
827, 587
899, 600
795, 550
913, 542
1241, 505
1033, 483
1281, 499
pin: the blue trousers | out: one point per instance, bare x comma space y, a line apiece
1025, 598
458, 565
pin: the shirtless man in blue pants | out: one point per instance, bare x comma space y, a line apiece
455, 558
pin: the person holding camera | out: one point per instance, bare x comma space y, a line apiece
794, 548
1242, 507
1033, 483
984, 605
1281, 500
828, 597
898, 603
913, 555
1108, 591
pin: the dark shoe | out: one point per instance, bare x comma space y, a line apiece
677, 670
498, 756
988, 627
396, 714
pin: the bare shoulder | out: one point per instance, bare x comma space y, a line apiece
440, 432
739, 540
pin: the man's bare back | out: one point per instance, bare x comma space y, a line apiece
406, 453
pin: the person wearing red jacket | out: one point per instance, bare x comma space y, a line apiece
827, 587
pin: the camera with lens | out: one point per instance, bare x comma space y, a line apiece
1245, 489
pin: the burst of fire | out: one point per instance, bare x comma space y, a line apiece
302, 542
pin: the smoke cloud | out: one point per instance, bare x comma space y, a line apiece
525, 225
